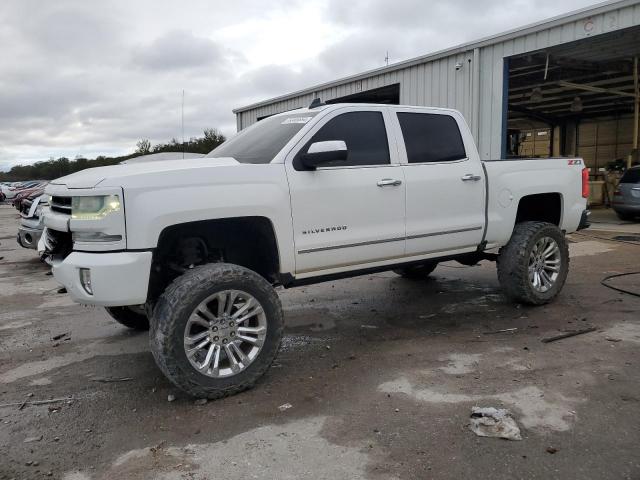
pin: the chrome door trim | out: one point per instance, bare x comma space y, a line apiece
349, 245
447, 232
387, 240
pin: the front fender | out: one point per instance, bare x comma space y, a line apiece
261, 192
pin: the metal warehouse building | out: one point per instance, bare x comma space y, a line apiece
564, 86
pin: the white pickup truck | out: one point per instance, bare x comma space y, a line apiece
194, 248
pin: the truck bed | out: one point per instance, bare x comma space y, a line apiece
508, 180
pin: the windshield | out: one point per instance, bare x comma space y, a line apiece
262, 141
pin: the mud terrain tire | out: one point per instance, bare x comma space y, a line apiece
177, 304
516, 258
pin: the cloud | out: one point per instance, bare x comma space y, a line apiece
410, 28
181, 49
92, 78
67, 32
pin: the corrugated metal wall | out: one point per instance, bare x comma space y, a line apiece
437, 82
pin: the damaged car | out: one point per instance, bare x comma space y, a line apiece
28, 193
31, 227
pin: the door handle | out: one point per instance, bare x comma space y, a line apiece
470, 177
389, 182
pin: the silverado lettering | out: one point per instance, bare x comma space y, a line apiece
323, 230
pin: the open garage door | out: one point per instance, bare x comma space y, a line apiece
578, 99
389, 95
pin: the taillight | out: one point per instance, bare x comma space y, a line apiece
585, 183
617, 193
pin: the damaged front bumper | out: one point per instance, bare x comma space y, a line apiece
105, 279
29, 237
30, 231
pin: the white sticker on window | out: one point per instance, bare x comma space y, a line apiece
296, 120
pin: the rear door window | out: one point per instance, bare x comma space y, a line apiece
431, 137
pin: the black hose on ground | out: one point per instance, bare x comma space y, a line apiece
618, 289
603, 282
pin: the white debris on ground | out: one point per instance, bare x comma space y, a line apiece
494, 422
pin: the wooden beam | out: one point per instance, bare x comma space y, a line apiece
587, 100
571, 116
591, 79
591, 88
567, 97
586, 107
549, 120
613, 66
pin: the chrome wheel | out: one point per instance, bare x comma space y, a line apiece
225, 333
544, 264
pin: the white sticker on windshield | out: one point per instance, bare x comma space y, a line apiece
296, 120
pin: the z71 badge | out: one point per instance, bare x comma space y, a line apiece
324, 230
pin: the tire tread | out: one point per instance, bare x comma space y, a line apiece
182, 292
513, 262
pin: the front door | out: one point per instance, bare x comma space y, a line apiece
349, 213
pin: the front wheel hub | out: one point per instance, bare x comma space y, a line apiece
241, 324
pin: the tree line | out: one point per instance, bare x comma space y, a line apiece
59, 167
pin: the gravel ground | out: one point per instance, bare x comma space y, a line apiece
380, 372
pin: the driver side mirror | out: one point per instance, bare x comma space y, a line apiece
320, 153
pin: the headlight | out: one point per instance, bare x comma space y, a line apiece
94, 208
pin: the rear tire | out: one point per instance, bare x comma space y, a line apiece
128, 317
417, 272
533, 266
187, 344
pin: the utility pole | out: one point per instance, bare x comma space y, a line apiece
636, 114
386, 59
183, 123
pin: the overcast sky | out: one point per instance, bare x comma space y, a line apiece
92, 77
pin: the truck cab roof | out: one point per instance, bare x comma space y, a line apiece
335, 106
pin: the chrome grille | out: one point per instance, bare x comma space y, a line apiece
61, 205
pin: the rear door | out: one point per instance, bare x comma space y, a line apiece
350, 213
445, 187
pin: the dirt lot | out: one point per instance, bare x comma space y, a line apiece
380, 373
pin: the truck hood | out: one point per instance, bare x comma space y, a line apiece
92, 177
